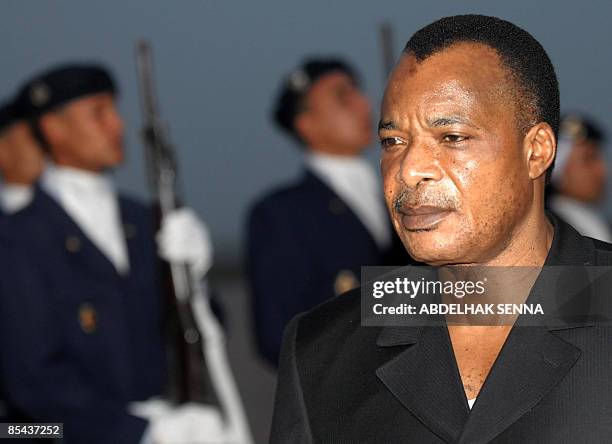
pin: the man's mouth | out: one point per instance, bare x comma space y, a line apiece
423, 218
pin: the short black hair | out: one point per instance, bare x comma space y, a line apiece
524, 57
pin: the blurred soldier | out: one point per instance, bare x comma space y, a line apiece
579, 177
21, 160
308, 240
81, 303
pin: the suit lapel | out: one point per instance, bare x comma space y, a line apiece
425, 379
337, 207
78, 248
533, 359
532, 362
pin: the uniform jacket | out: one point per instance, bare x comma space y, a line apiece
343, 383
304, 246
79, 341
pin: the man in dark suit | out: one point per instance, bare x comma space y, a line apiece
80, 312
308, 240
468, 134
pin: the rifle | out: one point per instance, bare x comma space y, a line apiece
188, 376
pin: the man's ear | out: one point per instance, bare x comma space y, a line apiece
304, 126
51, 128
540, 147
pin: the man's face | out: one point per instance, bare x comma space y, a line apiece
584, 175
455, 177
21, 159
87, 133
337, 116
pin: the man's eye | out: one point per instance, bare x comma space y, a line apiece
390, 142
453, 138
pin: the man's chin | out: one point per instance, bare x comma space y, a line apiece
116, 160
430, 247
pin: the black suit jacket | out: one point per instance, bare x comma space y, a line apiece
343, 383
303, 245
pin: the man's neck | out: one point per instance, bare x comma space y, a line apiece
62, 162
334, 151
529, 243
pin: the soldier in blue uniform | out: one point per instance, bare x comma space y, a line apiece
80, 314
578, 181
308, 240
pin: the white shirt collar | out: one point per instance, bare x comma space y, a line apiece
56, 178
583, 217
334, 163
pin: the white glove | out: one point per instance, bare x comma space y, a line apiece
149, 409
183, 238
189, 424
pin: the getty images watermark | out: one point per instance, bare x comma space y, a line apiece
486, 296
449, 289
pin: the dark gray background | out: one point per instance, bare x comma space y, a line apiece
219, 64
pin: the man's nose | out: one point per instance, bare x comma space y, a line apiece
419, 164
115, 123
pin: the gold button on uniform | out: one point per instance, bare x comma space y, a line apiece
87, 318
345, 281
73, 244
